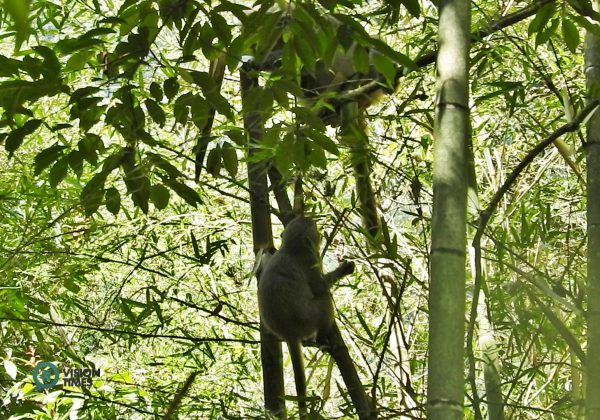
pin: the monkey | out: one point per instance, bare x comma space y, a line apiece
294, 300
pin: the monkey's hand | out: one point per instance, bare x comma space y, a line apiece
345, 268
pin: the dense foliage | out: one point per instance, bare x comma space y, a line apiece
113, 255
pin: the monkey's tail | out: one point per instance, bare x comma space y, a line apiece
297, 363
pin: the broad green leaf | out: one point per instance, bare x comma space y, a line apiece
385, 67
70, 284
112, 199
75, 160
181, 108
221, 28
543, 36
83, 92
92, 193
159, 195
50, 66
199, 110
188, 194
9, 66
323, 140
284, 154
317, 157
18, 10
171, 87
541, 19
14, 93
89, 146
213, 161
570, 34
70, 45
393, 55
230, 159
162, 163
237, 136
137, 182
46, 157
361, 59
58, 172
156, 112
15, 138
156, 91
413, 7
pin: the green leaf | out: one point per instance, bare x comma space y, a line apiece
51, 65
237, 136
306, 54
385, 67
413, 7
159, 195
181, 108
543, 36
230, 159
138, 184
75, 160
284, 154
570, 34
83, 92
542, 17
9, 67
19, 12
195, 246
188, 194
46, 157
156, 112
89, 146
93, 192
317, 157
199, 109
361, 59
156, 91
70, 285
323, 140
213, 161
221, 27
171, 87
112, 199
393, 55
162, 163
16, 137
14, 93
70, 45
58, 171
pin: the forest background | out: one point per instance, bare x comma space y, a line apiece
121, 249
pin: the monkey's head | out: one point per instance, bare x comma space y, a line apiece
301, 233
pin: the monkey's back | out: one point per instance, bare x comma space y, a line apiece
287, 304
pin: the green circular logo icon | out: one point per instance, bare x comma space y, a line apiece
45, 375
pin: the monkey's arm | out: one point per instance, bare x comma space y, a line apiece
345, 268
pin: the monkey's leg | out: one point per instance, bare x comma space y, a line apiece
335, 346
299, 377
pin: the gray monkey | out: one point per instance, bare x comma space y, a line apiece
293, 294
